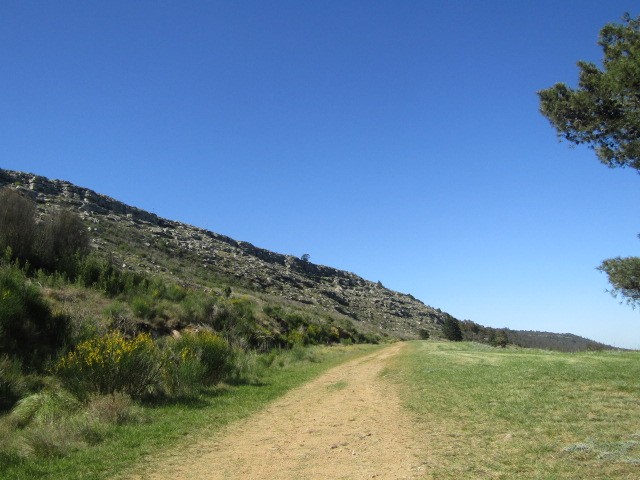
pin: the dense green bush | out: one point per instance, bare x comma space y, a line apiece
57, 243
61, 242
105, 276
214, 353
196, 359
144, 307
28, 329
17, 224
451, 329
183, 371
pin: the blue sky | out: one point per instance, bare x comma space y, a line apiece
398, 140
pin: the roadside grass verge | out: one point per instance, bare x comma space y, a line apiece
516, 413
182, 421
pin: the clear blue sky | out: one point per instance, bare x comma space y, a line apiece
399, 140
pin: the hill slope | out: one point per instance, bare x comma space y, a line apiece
142, 241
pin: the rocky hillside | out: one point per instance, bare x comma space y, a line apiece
142, 241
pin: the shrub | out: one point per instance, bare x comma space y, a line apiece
28, 329
295, 338
91, 271
184, 371
197, 308
61, 242
451, 329
112, 363
53, 423
197, 358
171, 291
499, 338
214, 352
144, 307
17, 223
103, 275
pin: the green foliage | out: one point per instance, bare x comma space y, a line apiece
300, 328
183, 372
198, 358
28, 329
61, 243
54, 423
499, 339
624, 276
604, 111
144, 307
198, 308
12, 382
57, 243
112, 363
451, 329
105, 276
17, 224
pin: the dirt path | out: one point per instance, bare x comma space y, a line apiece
346, 424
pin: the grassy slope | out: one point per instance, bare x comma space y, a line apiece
181, 423
493, 413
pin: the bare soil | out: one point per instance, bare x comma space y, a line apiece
346, 424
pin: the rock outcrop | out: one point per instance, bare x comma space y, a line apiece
113, 223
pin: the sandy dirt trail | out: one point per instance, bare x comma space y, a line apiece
346, 424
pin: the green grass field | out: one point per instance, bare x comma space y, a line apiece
516, 413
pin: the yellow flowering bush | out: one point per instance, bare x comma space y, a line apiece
112, 363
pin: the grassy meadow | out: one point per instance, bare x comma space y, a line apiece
519, 413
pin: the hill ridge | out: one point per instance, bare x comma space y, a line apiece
212, 255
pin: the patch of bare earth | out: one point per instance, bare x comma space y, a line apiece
346, 424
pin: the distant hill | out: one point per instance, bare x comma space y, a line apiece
562, 342
141, 241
